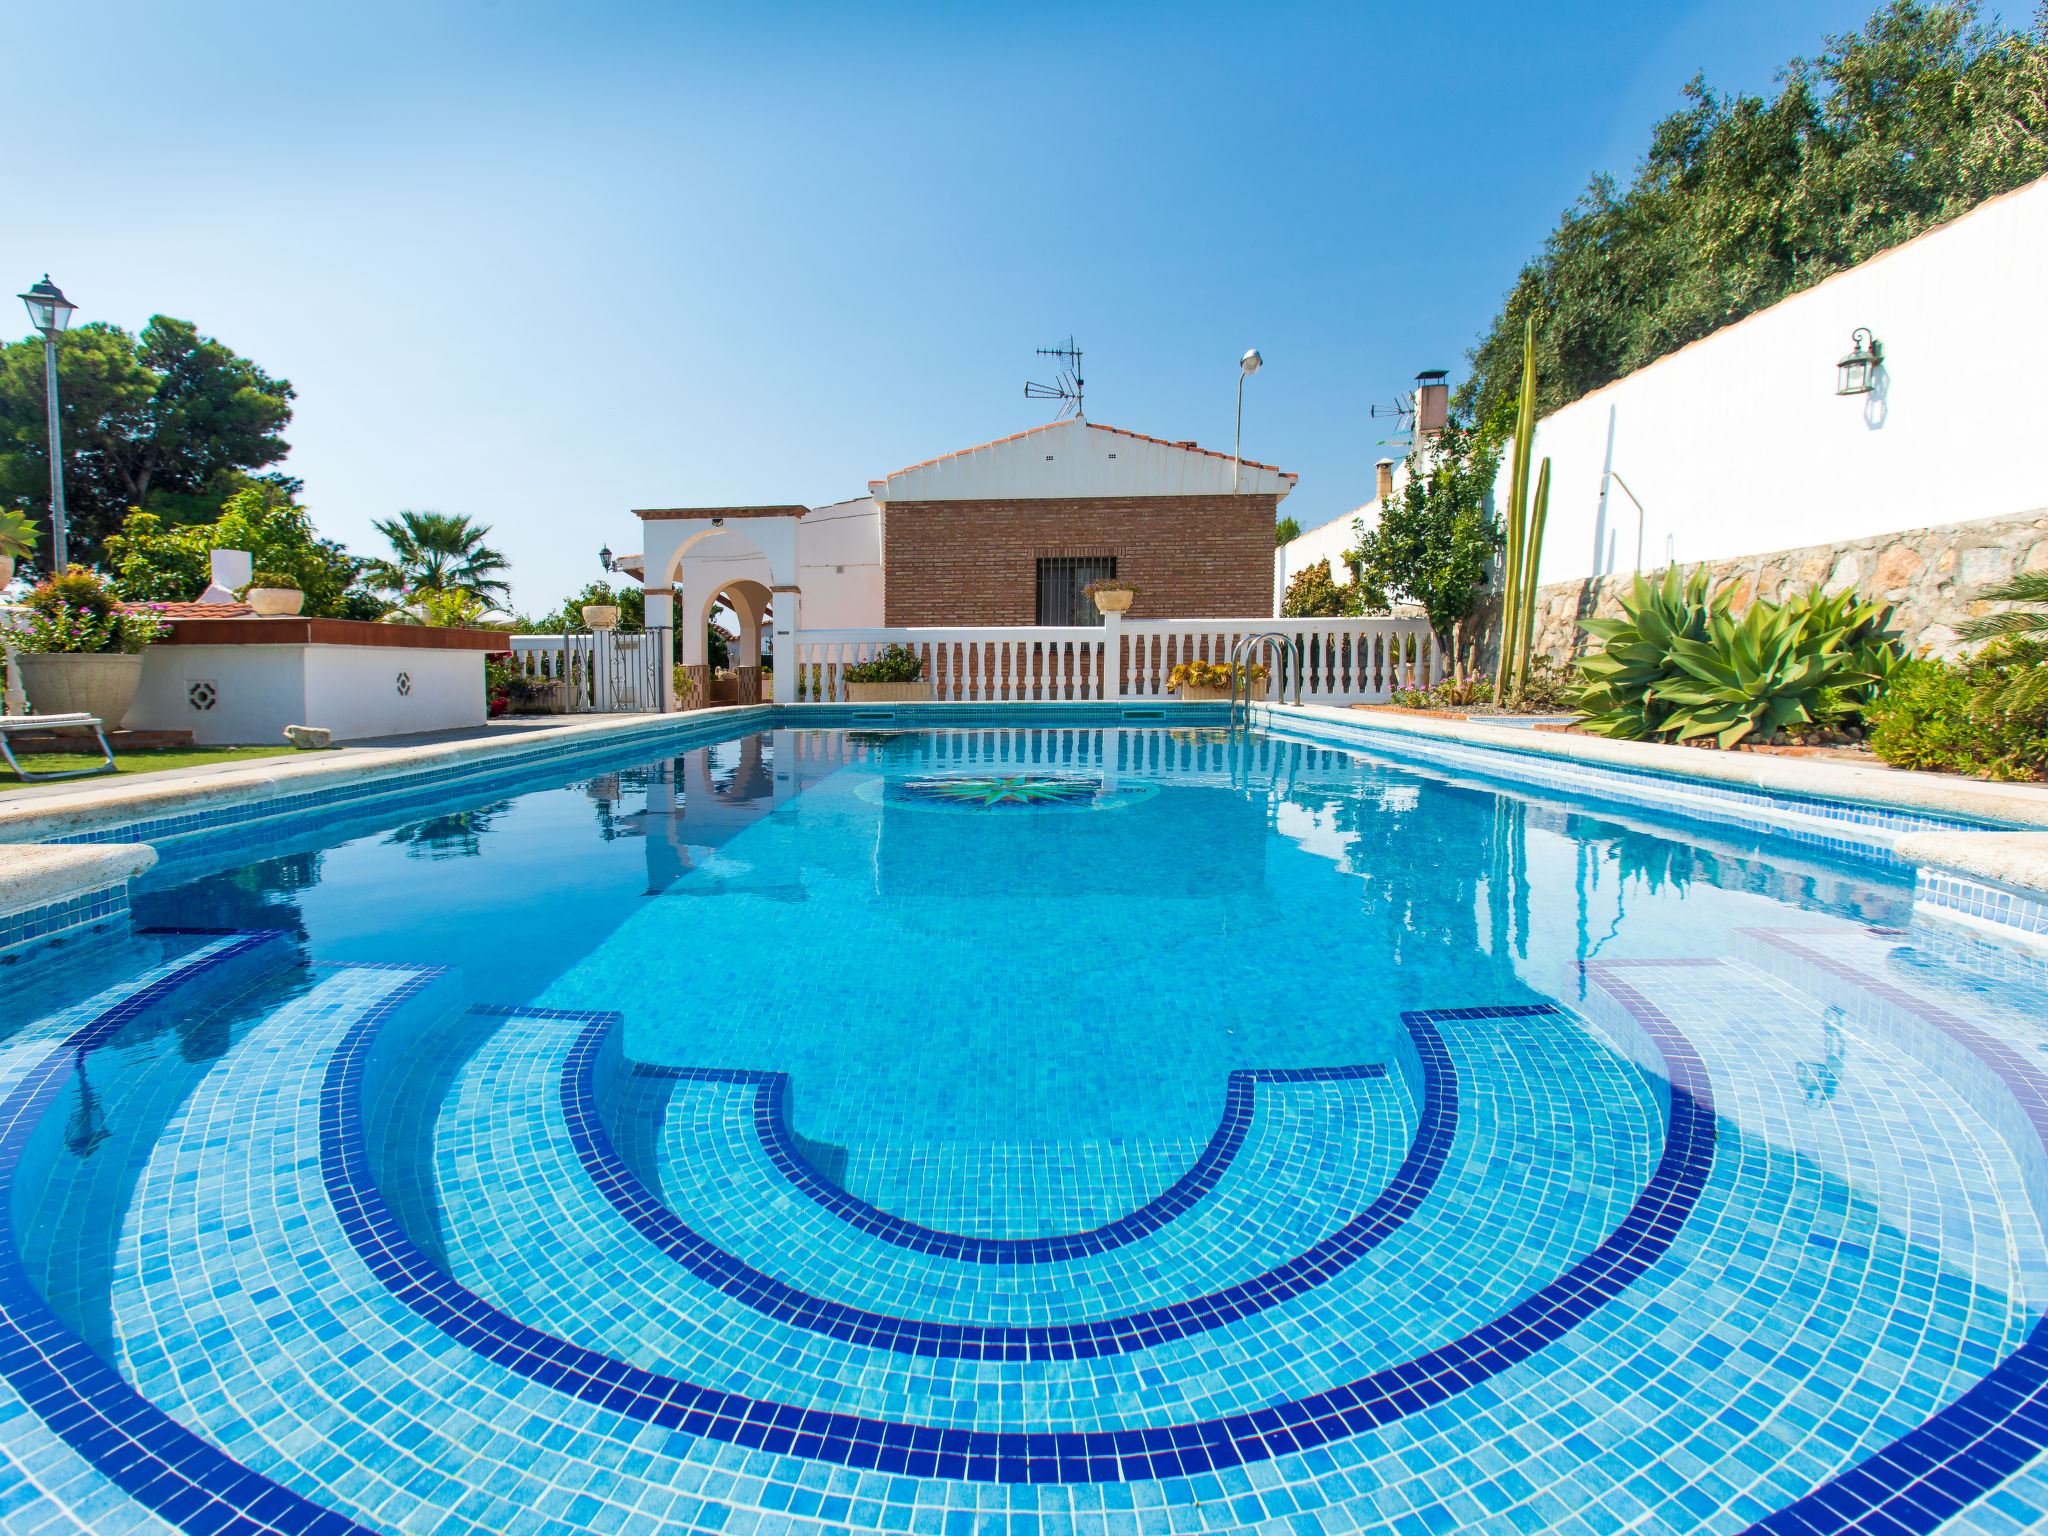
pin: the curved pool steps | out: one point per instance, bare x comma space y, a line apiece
1638, 1350
1839, 1328
571, 1281
256, 1322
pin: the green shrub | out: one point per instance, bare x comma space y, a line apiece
275, 579
897, 664
1957, 719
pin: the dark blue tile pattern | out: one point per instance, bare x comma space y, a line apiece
1924, 1478
143, 1451
771, 1124
1410, 1186
1009, 1456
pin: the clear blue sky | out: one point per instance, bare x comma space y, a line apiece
546, 263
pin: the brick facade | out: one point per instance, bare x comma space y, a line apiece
976, 562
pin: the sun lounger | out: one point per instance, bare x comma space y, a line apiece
36, 725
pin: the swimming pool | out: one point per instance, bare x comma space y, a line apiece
1079, 1129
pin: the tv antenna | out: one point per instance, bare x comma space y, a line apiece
1067, 388
1402, 410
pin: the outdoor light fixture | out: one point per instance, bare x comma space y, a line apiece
1247, 365
604, 557
1856, 374
718, 522
49, 312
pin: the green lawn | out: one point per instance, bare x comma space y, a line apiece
136, 762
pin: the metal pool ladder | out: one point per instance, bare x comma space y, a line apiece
1240, 654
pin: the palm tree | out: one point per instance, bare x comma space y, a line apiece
2027, 687
437, 552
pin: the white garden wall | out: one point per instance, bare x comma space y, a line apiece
1738, 444
232, 695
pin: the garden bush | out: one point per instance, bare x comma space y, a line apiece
897, 664
1987, 716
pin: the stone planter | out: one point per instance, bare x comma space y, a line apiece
888, 693
274, 602
1114, 602
6, 569
1204, 695
547, 702
59, 683
601, 616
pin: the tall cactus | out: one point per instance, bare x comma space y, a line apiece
1532, 565
1518, 518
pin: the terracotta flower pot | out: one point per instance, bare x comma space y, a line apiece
1114, 602
274, 602
6, 569
60, 683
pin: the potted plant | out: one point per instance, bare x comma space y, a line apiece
274, 595
1207, 682
601, 615
893, 677
81, 652
17, 541
1112, 594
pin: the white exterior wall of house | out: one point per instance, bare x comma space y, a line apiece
1739, 445
839, 565
1328, 542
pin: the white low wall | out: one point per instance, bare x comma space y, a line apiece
1739, 444
230, 695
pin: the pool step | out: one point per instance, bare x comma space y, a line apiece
553, 1252
257, 1303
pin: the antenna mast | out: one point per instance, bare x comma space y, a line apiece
1068, 387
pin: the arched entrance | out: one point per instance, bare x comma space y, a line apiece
750, 601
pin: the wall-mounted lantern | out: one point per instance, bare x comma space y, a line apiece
604, 557
1856, 374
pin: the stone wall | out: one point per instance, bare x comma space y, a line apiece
1929, 576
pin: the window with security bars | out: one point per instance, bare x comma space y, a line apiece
1062, 587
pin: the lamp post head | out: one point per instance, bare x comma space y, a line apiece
604, 557
48, 310
1251, 362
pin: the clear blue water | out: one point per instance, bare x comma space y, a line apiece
883, 996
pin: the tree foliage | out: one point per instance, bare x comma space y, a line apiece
437, 552
629, 599
172, 423
1314, 592
1435, 541
1742, 200
155, 562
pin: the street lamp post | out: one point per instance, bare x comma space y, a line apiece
49, 312
1247, 365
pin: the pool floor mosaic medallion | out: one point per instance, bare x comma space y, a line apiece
1741, 1234
1005, 794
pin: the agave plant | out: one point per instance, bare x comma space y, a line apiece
1621, 677
1681, 665
1752, 675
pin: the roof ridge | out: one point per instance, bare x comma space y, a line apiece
1186, 445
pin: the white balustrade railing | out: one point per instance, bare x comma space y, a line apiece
1010, 665
610, 671
1323, 661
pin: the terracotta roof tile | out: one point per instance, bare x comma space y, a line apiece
198, 610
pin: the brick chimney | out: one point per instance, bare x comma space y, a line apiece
1385, 468
1432, 401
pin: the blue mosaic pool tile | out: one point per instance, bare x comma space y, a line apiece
1946, 891
88, 909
